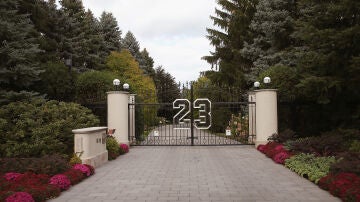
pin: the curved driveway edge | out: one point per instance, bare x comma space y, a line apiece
226, 173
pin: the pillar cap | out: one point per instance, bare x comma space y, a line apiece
117, 92
262, 90
88, 130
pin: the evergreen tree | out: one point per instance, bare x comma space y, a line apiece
147, 63
166, 90
272, 25
130, 43
233, 19
110, 32
18, 49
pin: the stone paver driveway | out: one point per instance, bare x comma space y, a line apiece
229, 173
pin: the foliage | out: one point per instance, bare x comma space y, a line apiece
355, 146
348, 162
91, 168
112, 147
324, 145
75, 159
91, 86
271, 26
124, 148
57, 83
34, 184
18, 49
232, 20
110, 30
20, 196
283, 136
343, 185
75, 176
125, 65
61, 181
166, 91
83, 168
37, 127
276, 151
49, 165
310, 166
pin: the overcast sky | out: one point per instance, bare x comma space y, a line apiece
173, 31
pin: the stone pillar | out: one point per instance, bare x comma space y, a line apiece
132, 118
252, 116
266, 115
118, 115
90, 145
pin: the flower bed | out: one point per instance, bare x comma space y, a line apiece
29, 186
330, 173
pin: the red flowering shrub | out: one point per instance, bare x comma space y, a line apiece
75, 176
325, 181
261, 148
124, 148
60, 181
11, 176
281, 157
29, 179
84, 169
271, 149
20, 197
344, 185
5, 194
91, 168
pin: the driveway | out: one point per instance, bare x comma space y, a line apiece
185, 173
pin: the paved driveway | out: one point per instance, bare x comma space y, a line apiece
226, 173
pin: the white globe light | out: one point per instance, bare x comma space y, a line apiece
267, 80
256, 84
126, 86
116, 82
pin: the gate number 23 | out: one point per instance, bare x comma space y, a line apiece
204, 108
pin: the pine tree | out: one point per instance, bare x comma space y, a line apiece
111, 32
18, 49
147, 63
272, 25
233, 19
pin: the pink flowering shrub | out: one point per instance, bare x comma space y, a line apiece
83, 168
124, 148
279, 148
60, 181
281, 157
261, 148
12, 176
20, 197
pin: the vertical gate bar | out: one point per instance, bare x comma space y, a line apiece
192, 113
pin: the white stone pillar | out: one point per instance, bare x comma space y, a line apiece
118, 115
266, 115
252, 116
132, 118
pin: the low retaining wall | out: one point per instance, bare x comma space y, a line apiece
91, 144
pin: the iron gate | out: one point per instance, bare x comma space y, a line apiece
193, 120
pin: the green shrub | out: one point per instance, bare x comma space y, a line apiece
113, 148
49, 165
38, 127
91, 86
57, 82
310, 166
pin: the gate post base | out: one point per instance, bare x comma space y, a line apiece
266, 115
118, 115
